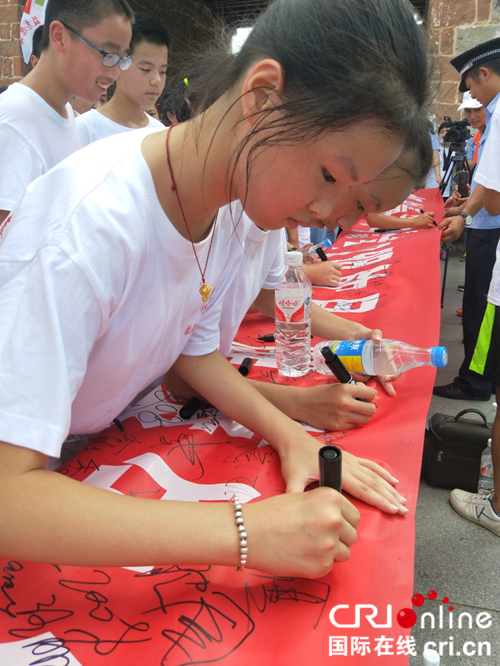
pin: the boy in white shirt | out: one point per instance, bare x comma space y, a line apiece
137, 89
37, 125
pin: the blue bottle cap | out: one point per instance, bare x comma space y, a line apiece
439, 357
327, 242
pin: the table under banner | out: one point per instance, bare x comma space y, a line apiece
178, 615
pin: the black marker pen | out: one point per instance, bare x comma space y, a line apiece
245, 366
330, 467
187, 411
423, 211
321, 254
336, 366
266, 338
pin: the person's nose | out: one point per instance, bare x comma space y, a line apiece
322, 206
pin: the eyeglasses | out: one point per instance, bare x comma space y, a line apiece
108, 59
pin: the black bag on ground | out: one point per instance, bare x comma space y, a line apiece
452, 450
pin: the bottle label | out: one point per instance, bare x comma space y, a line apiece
293, 307
487, 470
349, 352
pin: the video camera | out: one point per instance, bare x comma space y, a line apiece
458, 131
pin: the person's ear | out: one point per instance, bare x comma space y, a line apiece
59, 36
484, 74
261, 88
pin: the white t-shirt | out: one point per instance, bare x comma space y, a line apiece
260, 267
99, 294
93, 126
488, 174
33, 139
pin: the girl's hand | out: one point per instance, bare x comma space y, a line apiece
333, 407
361, 478
300, 534
386, 382
424, 221
324, 273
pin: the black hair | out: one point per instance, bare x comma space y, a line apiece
37, 42
493, 64
343, 61
446, 125
417, 160
80, 14
148, 29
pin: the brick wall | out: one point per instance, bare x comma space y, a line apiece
190, 23
12, 65
456, 26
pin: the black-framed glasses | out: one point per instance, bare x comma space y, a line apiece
108, 59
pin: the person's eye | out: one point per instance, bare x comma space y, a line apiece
163, 73
144, 70
328, 177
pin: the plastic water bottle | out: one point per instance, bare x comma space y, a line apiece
485, 485
293, 318
387, 357
310, 255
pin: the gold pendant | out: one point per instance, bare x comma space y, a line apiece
205, 290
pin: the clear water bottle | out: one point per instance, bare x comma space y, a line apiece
485, 485
310, 256
293, 318
387, 357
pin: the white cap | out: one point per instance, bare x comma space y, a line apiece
468, 102
431, 657
293, 258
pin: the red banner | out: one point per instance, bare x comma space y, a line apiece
181, 615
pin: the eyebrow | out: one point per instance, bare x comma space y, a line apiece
377, 201
148, 62
350, 166
111, 46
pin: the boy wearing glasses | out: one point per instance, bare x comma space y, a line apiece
84, 47
137, 89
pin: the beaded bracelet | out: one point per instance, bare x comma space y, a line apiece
241, 533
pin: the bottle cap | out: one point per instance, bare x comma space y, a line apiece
431, 658
327, 242
439, 357
293, 258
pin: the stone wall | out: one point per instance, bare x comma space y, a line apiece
191, 24
11, 61
456, 26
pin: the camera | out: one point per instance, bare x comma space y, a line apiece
458, 132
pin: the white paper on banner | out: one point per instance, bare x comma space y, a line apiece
354, 305
366, 258
174, 486
42, 649
260, 362
229, 426
395, 234
360, 280
33, 16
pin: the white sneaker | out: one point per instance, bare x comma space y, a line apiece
477, 508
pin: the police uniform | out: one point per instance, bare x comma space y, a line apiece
483, 235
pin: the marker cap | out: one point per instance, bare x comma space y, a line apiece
431, 658
439, 357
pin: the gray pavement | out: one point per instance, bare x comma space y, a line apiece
454, 557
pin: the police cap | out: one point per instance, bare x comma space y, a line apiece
479, 55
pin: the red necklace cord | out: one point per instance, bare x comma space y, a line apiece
205, 289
